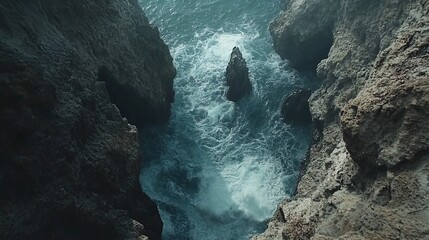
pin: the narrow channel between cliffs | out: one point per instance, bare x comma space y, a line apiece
219, 169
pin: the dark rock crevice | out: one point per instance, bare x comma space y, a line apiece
307, 40
306, 54
135, 107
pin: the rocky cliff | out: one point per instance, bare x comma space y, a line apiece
69, 161
367, 171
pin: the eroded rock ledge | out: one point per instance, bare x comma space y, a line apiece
69, 162
368, 167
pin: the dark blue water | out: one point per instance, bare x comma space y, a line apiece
219, 169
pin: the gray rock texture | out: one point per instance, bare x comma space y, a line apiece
305, 44
367, 171
69, 162
237, 77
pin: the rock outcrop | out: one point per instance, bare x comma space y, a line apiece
69, 162
368, 167
305, 45
237, 77
295, 108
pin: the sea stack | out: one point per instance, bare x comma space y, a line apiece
237, 77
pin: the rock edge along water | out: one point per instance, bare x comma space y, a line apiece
295, 109
367, 170
69, 162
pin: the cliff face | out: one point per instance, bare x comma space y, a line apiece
69, 162
367, 170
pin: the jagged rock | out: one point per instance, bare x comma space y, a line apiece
295, 108
389, 118
69, 162
304, 34
237, 77
367, 172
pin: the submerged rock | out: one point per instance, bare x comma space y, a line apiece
237, 77
69, 162
295, 108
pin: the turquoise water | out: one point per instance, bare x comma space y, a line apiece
218, 169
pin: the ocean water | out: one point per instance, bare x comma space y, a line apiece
219, 169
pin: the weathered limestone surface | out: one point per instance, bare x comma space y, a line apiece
367, 171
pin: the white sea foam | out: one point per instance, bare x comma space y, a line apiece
239, 173
222, 167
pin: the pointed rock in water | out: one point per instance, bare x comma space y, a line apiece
237, 77
295, 108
